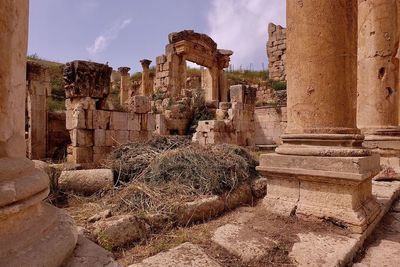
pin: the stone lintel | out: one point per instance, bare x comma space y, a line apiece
334, 188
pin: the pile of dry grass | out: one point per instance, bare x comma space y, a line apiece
166, 172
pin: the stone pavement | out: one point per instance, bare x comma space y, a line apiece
258, 238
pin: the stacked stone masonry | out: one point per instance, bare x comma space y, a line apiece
276, 51
234, 122
95, 130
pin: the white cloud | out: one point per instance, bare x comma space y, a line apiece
242, 26
104, 40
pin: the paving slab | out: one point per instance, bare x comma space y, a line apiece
385, 249
89, 254
185, 255
242, 241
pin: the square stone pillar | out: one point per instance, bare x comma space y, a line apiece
378, 79
31, 233
38, 87
321, 171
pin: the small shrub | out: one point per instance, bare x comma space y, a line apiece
278, 85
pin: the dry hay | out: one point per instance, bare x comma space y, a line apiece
165, 172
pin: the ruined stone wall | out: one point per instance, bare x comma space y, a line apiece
270, 123
276, 51
234, 122
94, 128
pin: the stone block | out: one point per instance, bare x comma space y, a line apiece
81, 138
140, 104
116, 137
211, 125
86, 181
118, 121
99, 137
100, 153
75, 119
134, 136
87, 79
133, 122
225, 105
101, 119
161, 124
151, 122
80, 154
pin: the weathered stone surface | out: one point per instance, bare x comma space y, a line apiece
140, 104
200, 210
86, 79
185, 255
89, 254
276, 51
86, 181
120, 230
242, 241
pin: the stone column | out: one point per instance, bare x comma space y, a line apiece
38, 86
125, 82
31, 233
378, 73
321, 171
146, 88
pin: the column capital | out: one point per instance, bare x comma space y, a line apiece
145, 63
124, 70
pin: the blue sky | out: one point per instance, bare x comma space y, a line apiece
122, 32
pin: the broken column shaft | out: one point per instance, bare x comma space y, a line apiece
146, 88
125, 85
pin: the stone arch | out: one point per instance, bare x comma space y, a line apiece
197, 48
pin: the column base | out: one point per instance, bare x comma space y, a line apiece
32, 233
338, 189
388, 147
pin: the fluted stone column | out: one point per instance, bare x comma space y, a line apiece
146, 89
378, 77
321, 171
31, 233
125, 84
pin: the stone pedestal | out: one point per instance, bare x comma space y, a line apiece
321, 171
124, 89
378, 77
31, 233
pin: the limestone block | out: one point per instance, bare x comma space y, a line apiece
99, 137
211, 125
85, 103
134, 136
86, 181
140, 104
240, 196
151, 122
87, 79
75, 119
183, 255
81, 138
101, 119
161, 125
221, 114
116, 137
80, 154
133, 122
120, 230
118, 121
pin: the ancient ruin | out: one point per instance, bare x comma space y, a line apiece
197, 48
182, 166
276, 51
93, 125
